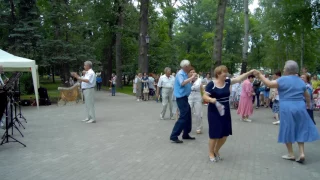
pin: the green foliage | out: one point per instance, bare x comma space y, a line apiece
61, 34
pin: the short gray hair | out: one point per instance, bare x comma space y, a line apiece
89, 63
291, 67
167, 69
184, 63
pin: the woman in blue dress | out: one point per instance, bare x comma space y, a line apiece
220, 127
295, 122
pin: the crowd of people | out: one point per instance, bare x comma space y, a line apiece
290, 97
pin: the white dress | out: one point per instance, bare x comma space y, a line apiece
195, 101
135, 86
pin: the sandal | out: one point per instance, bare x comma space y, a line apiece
300, 160
218, 158
288, 157
213, 159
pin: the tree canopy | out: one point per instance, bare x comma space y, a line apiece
61, 34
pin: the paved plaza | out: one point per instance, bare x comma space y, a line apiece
130, 142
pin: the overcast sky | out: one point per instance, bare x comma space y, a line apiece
254, 5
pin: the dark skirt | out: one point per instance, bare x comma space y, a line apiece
219, 126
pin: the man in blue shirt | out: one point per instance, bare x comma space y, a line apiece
181, 90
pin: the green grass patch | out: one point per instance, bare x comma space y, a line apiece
125, 90
52, 90
54, 93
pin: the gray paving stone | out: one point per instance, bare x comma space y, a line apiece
130, 142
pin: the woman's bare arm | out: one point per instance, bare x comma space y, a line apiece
267, 82
241, 77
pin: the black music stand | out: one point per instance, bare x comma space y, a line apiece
8, 88
18, 94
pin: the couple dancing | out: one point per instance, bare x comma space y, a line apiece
296, 125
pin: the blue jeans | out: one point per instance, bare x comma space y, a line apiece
113, 90
184, 122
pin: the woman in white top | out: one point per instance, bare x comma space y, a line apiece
195, 100
135, 84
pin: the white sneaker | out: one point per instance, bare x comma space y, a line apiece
161, 118
247, 120
85, 120
138, 100
91, 121
276, 123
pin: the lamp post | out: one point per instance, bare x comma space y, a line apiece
147, 48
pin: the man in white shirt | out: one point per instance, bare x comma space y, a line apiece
166, 82
88, 82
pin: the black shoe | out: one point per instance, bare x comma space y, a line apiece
189, 138
178, 141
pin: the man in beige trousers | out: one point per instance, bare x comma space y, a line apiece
88, 82
166, 83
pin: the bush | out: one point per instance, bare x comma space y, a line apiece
26, 84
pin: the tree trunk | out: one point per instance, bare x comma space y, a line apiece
118, 43
13, 21
65, 74
12, 11
218, 38
287, 52
52, 70
246, 38
259, 58
143, 53
170, 33
302, 49
108, 66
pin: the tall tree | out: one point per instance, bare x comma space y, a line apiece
121, 5
143, 46
170, 13
246, 38
218, 38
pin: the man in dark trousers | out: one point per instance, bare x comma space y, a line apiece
181, 90
256, 88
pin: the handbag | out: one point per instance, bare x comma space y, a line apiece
145, 90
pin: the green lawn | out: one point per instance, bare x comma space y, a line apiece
125, 90
51, 87
54, 93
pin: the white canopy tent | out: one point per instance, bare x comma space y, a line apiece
15, 63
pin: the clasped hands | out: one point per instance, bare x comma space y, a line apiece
255, 72
194, 76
